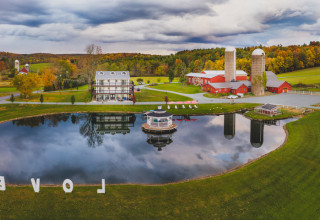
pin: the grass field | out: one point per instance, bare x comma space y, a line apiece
282, 185
4, 91
176, 87
153, 79
81, 96
38, 66
306, 76
146, 95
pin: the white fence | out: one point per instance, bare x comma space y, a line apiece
296, 107
304, 92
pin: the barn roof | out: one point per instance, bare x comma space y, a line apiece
275, 84
230, 85
269, 106
213, 73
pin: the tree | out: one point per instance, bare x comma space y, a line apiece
134, 100
41, 98
26, 84
140, 81
92, 57
209, 65
12, 98
48, 80
166, 99
73, 99
183, 79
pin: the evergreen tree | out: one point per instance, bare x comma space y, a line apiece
12, 98
41, 98
73, 99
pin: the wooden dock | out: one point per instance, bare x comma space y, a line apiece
147, 128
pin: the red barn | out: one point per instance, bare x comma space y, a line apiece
213, 76
278, 86
231, 87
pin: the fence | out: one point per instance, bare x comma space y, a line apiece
296, 107
304, 92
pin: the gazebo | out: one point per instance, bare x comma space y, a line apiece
159, 120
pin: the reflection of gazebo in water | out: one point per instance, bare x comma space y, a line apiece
159, 140
114, 123
159, 121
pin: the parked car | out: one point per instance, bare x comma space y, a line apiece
232, 97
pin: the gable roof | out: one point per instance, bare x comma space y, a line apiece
230, 85
23, 70
101, 75
269, 106
276, 84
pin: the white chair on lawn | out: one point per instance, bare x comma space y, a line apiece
195, 106
175, 107
183, 106
168, 106
190, 106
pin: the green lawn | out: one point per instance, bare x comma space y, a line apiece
146, 95
153, 79
306, 76
283, 185
5, 91
81, 96
38, 66
176, 87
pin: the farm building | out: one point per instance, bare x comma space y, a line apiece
276, 86
227, 87
267, 109
213, 76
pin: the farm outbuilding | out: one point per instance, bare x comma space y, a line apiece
268, 109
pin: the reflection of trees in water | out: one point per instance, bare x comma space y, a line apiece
38, 121
89, 131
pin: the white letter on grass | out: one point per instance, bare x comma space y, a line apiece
64, 185
2, 184
36, 185
103, 190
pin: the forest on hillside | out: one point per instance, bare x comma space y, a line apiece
279, 59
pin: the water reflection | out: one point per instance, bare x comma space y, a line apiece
57, 147
229, 125
159, 141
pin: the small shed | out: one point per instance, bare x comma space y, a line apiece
159, 121
268, 109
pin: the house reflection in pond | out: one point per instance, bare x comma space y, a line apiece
158, 140
114, 123
256, 133
229, 126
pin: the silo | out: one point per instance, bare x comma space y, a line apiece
230, 64
27, 67
257, 70
16, 65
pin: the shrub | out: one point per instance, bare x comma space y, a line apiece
12, 98
73, 99
41, 98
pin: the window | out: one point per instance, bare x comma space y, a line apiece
112, 73
124, 73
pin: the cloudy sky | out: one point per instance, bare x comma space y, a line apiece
154, 26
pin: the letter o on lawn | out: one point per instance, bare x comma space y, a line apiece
64, 185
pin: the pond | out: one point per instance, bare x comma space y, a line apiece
89, 147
